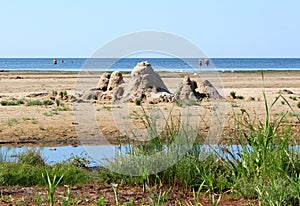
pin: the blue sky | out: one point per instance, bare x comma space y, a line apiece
231, 28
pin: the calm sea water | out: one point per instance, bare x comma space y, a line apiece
167, 64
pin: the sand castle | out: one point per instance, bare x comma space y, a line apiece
147, 85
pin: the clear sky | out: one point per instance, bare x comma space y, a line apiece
221, 28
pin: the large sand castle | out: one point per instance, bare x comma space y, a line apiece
147, 85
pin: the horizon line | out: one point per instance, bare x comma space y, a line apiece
153, 57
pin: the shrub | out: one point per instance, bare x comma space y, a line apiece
39, 103
34, 103
298, 105
12, 103
233, 94
138, 101
57, 102
47, 102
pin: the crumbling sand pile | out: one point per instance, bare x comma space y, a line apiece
147, 85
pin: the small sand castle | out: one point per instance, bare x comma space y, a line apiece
147, 85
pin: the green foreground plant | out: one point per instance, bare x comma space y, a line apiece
52, 185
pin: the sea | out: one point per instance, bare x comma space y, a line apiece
159, 64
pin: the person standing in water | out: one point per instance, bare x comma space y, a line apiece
206, 61
54, 61
200, 62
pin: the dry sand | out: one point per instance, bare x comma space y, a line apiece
39, 125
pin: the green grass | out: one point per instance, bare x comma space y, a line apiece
293, 98
138, 101
12, 102
56, 111
39, 103
12, 121
28, 170
234, 96
34, 103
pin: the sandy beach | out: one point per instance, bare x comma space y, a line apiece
45, 125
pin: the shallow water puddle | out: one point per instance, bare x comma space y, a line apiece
62, 153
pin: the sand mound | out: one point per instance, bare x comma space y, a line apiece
144, 84
209, 90
187, 90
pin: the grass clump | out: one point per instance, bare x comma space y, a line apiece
31, 157
34, 103
40, 103
12, 121
12, 102
56, 111
48, 102
25, 174
234, 96
293, 98
138, 101
298, 105
57, 102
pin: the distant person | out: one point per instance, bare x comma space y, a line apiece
62, 61
54, 61
200, 62
206, 61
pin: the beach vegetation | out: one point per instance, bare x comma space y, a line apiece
34, 103
107, 108
12, 121
61, 109
29, 173
12, 102
51, 185
81, 161
298, 105
38, 102
48, 102
57, 102
56, 111
293, 98
233, 94
54, 93
31, 157
138, 101
65, 93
